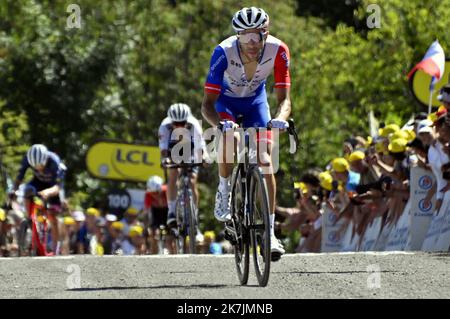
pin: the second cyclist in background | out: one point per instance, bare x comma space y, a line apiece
155, 207
47, 182
179, 116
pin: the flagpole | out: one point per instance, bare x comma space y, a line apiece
432, 85
430, 101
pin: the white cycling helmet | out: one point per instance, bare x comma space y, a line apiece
37, 155
179, 112
250, 18
154, 184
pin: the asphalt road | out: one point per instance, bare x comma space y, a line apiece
339, 275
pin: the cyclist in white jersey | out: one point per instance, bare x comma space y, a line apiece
179, 117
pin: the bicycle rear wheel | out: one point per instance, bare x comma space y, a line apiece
260, 226
241, 247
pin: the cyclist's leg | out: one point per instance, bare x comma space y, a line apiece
172, 176
226, 143
194, 185
54, 210
225, 161
159, 219
259, 116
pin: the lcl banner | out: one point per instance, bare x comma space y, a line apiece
123, 162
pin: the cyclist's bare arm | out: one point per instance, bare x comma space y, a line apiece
284, 103
16, 185
208, 108
50, 192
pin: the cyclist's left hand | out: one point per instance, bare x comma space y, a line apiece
279, 124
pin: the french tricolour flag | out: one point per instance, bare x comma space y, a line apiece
433, 63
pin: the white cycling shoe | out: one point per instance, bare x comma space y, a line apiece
199, 237
171, 219
222, 206
276, 249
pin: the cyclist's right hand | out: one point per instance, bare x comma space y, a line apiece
227, 125
166, 161
12, 195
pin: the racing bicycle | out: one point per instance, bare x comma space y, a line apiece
249, 226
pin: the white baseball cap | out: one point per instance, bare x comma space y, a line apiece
78, 216
111, 218
424, 126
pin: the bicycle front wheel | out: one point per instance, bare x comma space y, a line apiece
241, 247
24, 238
260, 226
180, 232
191, 213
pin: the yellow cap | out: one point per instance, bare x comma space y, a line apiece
369, 141
2, 215
399, 134
356, 156
132, 211
388, 129
209, 235
69, 221
433, 117
340, 165
411, 135
117, 225
398, 145
93, 212
302, 186
135, 231
326, 180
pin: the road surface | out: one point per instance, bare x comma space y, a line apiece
328, 275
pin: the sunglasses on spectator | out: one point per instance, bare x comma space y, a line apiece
252, 36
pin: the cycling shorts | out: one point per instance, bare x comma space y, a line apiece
255, 111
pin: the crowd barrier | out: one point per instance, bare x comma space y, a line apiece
419, 227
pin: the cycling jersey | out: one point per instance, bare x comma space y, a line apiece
237, 95
227, 75
156, 202
168, 138
52, 174
156, 199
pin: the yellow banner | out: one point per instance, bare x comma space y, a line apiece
124, 162
420, 85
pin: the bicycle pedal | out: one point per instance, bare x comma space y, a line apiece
230, 238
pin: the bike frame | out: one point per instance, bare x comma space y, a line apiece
38, 244
185, 197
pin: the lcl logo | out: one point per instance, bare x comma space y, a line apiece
133, 157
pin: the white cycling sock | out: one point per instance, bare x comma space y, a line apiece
272, 225
224, 184
172, 204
